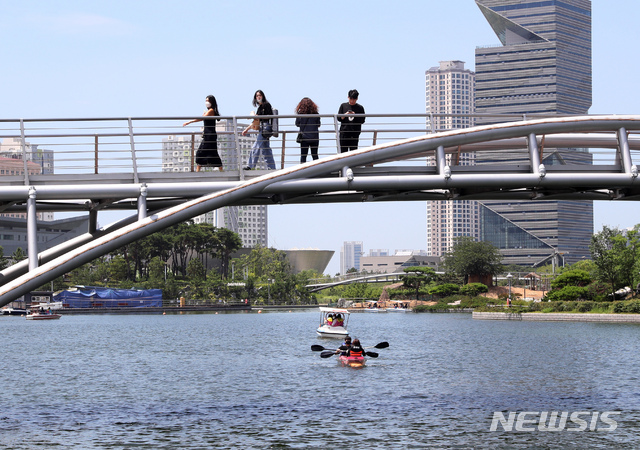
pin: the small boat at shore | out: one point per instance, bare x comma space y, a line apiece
399, 306
13, 311
372, 307
352, 361
333, 323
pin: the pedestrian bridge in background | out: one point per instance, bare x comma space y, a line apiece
117, 164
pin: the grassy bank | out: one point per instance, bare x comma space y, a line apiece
485, 304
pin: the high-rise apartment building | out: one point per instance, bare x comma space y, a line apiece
543, 66
250, 222
39, 161
449, 101
350, 256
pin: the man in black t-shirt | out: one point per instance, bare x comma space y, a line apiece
350, 126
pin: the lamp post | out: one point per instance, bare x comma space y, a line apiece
509, 276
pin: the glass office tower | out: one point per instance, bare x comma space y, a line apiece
542, 66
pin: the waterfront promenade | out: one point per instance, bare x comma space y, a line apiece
558, 317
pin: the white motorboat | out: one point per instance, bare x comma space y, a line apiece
399, 306
372, 307
13, 311
43, 311
333, 323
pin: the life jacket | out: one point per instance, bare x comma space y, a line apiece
356, 351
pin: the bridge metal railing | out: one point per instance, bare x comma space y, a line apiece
161, 144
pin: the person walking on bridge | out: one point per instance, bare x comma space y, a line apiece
350, 126
207, 153
261, 146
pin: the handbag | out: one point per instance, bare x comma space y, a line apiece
299, 138
266, 130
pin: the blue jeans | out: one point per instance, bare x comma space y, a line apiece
261, 147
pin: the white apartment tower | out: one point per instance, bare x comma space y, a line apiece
39, 161
250, 222
450, 102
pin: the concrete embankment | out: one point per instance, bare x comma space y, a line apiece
154, 310
559, 317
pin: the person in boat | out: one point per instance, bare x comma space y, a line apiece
330, 319
338, 322
344, 348
356, 349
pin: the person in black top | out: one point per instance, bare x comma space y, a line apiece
356, 349
350, 126
261, 146
308, 136
344, 348
207, 153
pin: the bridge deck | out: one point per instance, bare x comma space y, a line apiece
422, 167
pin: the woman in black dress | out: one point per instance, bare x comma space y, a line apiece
207, 153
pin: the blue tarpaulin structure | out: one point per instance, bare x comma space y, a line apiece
101, 297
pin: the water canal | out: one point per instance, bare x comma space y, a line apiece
248, 380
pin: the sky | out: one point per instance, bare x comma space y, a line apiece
161, 58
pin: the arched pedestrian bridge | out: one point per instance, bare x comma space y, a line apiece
109, 164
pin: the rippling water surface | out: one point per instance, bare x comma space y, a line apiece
249, 380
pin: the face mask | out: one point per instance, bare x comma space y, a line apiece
207, 104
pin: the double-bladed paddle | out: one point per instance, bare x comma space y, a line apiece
329, 354
319, 348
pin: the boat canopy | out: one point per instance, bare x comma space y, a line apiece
334, 310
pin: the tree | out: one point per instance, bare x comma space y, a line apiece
468, 257
18, 255
119, 269
181, 237
157, 269
416, 277
225, 243
615, 256
3, 261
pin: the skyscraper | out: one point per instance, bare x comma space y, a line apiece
449, 92
250, 221
543, 66
350, 256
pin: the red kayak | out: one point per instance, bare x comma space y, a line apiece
352, 361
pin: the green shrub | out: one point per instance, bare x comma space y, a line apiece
577, 277
477, 302
628, 307
585, 306
568, 293
444, 290
473, 289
